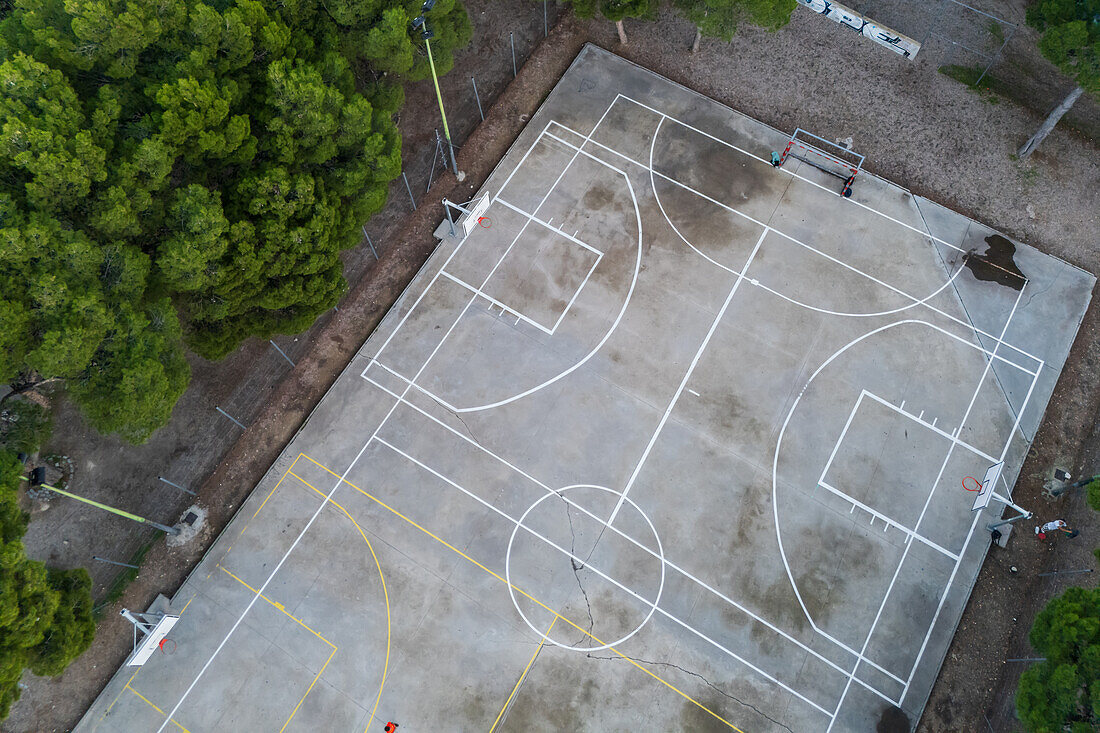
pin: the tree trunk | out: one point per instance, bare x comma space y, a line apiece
1048, 125
695, 43
622, 31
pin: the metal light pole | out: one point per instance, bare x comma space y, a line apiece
111, 509
421, 23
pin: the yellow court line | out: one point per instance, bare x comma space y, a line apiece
517, 589
304, 626
386, 596
524, 675
131, 689
273, 490
269, 495
276, 604
108, 710
311, 684
135, 674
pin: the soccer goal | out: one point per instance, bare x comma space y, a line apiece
826, 156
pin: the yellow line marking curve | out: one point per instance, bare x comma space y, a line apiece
519, 590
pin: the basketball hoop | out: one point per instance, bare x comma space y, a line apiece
977, 484
167, 646
484, 222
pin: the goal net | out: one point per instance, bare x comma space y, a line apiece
826, 156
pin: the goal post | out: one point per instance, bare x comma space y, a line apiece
828, 157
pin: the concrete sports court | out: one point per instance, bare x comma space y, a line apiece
670, 440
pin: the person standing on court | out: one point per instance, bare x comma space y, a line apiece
390, 728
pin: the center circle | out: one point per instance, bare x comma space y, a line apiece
578, 515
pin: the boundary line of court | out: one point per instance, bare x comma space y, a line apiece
673, 566
914, 299
355, 460
916, 528
970, 327
519, 590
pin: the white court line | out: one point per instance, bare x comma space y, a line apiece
953, 437
493, 301
670, 564
687, 376
875, 514
577, 292
588, 566
915, 301
171, 714
923, 233
546, 224
451, 256
973, 526
920, 519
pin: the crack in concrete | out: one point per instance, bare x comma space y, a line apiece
576, 571
708, 683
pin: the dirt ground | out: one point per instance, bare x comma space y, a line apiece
917, 128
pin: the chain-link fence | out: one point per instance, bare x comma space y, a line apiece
157, 480
987, 44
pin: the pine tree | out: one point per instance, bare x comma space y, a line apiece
178, 172
720, 18
1063, 691
616, 11
45, 615
1071, 41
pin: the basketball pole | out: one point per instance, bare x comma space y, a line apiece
1023, 513
421, 22
111, 509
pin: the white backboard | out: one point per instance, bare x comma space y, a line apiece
151, 642
989, 483
474, 217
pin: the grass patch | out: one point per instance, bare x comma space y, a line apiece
993, 87
997, 31
122, 580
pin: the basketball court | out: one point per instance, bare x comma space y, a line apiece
663, 437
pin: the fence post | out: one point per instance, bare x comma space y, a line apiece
409, 189
372, 249
281, 351
478, 98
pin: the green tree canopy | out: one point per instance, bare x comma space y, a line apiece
1071, 38
175, 172
45, 615
1063, 692
616, 11
720, 18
